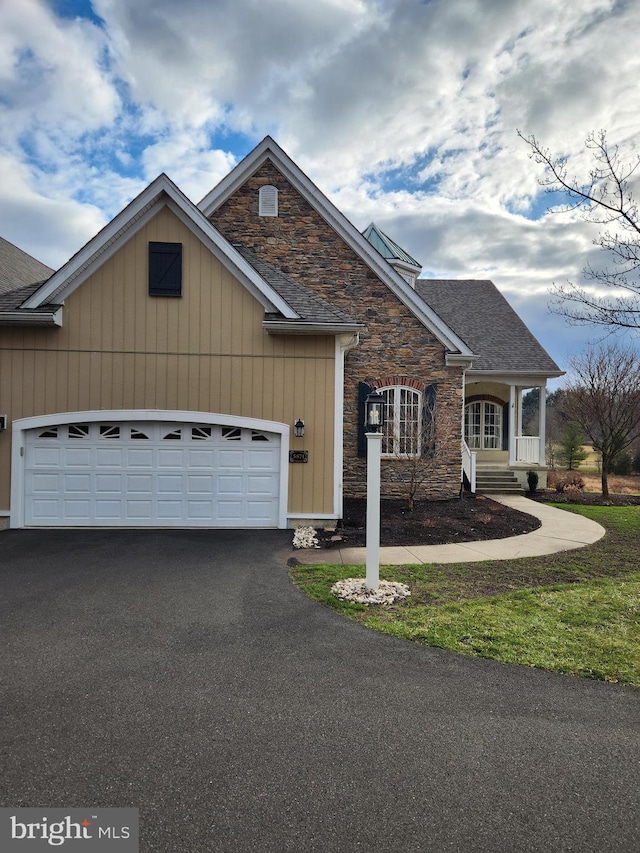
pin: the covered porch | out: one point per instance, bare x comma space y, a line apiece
499, 447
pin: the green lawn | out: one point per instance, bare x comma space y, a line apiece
577, 612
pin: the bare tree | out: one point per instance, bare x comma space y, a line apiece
603, 397
605, 197
418, 463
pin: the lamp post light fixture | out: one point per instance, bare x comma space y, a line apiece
374, 423
298, 428
374, 412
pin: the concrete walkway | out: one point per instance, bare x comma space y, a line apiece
560, 531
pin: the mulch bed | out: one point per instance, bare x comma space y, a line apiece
464, 519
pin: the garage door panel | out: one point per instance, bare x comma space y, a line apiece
139, 457
43, 483
200, 459
109, 483
200, 510
260, 459
77, 510
230, 484
110, 457
258, 510
139, 510
139, 483
45, 457
151, 474
230, 510
200, 484
108, 510
260, 485
169, 510
171, 483
171, 458
231, 459
45, 511
76, 483
77, 457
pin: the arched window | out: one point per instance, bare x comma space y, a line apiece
268, 201
403, 421
483, 425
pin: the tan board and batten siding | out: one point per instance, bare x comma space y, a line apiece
119, 348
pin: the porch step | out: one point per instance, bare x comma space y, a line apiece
496, 481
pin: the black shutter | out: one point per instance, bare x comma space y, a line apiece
505, 426
429, 420
363, 392
165, 269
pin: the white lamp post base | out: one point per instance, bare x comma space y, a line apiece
374, 447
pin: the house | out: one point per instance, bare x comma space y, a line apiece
155, 379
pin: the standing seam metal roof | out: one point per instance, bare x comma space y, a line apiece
387, 247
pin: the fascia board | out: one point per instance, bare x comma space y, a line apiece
159, 193
301, 328
517, 377
22, 317
268, 149
100, 242
454, 359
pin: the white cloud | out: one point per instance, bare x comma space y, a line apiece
403, 112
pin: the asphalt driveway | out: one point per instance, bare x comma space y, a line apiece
181, 673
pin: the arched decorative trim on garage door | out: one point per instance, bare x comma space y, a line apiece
22, 426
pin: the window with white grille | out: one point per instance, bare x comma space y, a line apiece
403, 421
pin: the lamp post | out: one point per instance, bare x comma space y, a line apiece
374, 423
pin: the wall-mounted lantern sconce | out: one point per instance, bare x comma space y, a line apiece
298, 428
374, 412
3, 422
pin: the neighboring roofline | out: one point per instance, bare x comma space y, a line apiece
301, 327
20, 317
162, 191
268, 149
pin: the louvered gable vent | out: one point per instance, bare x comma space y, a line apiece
268, 201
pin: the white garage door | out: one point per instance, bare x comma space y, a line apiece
151, 474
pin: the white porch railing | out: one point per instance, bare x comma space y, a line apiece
469, 466
528, 449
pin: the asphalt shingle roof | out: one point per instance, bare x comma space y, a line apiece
482, 317
18, 269
310, 308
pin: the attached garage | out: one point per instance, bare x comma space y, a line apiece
99, 471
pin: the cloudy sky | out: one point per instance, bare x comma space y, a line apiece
401, 111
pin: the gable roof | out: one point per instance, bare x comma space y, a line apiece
268, 149
18, 269
489, 325
159, 193
387, 247
312, 310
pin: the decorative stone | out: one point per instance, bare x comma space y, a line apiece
355, 589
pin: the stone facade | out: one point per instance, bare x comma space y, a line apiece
393, 341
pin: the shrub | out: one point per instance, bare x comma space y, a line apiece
569, 483
532, 480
